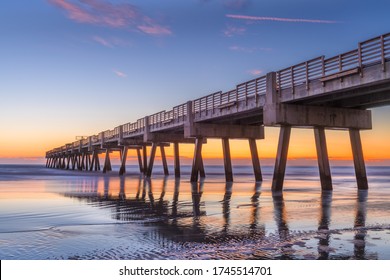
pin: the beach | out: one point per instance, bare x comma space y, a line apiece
62, 214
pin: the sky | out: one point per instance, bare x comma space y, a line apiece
77, 67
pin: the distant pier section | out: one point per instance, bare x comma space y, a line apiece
319, 94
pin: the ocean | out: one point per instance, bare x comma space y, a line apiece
59, 214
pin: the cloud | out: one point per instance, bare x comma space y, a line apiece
104, 13
231, 31
119, 73
255, 72
255, 18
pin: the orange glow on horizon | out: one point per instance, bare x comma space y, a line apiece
31, 144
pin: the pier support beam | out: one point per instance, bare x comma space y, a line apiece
91, 166
73, 161
255, 160
67, 162
358, 159
153, 155
145, 159
227, 161
281, 158
141, 169
68, 159
176, 159
323, 159
164, 160
151, 160
86, 165
88, 161
122, 169
82, 163
59, 162
97, 162
197, 162
107, 162
77, 161
202, 173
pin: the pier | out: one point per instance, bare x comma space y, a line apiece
319, 94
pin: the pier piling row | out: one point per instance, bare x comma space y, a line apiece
319, 94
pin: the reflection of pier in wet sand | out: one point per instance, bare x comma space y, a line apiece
188, 220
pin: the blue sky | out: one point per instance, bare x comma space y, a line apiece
77, 67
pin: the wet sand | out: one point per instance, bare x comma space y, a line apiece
57, 214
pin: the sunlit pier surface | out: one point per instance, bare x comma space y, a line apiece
319, 94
